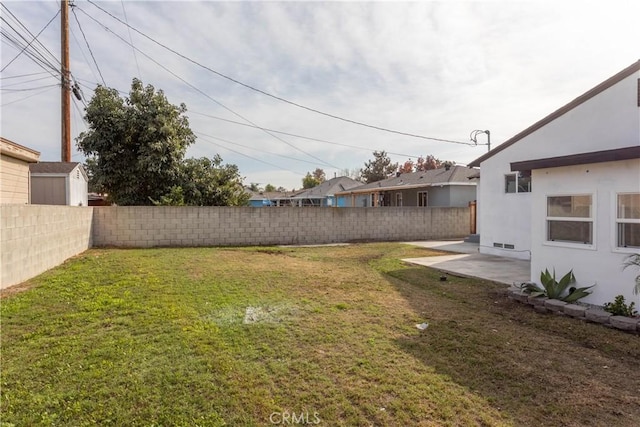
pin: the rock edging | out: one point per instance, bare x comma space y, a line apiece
581, 312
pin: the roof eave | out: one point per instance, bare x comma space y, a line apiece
614, 155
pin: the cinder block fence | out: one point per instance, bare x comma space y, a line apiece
34, 238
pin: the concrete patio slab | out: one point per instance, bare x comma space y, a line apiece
468, 262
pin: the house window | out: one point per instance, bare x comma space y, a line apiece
570, 219
517, 183
628, 220
398, 199
423, 198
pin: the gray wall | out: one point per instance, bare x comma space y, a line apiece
462, 195
213, 226
34, 239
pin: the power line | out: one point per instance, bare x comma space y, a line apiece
32, 40
252, 158
28, 89
300, 136
23, 75
27, 97
26, 81
135, 57
209, 97
37, 53
87, 43
254, 149
275, 96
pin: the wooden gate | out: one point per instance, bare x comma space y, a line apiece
472, 217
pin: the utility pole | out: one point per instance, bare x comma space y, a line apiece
65, 83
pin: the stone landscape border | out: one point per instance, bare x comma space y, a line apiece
577, 311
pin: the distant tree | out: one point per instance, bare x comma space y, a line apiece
351, 173
134, 146
427, 163
309, 181
406, 167
281, 189
269, 188
380, 167
319, 175
448, 163
254, 187
207, 182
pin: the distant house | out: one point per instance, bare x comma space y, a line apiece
59, 183
261, 199
324, 195
453, 186
565, 192
15, 182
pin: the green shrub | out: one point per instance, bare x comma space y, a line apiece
619, 308
553, 289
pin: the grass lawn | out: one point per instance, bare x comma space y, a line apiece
277, 336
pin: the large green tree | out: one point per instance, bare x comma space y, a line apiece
135, 145
207, 182
135, 151
378, 168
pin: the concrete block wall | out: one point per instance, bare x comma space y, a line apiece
35, 238
137, 226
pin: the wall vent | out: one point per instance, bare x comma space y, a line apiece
498, 245
509, 246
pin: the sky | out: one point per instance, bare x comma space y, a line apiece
435, 70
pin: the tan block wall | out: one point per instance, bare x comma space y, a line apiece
34, 239
136, 226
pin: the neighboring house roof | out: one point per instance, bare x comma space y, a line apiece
17, 151
455, 175
329, 188
273, 195
579, 159
56, 168
633, 68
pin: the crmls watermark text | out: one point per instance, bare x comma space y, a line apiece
293, 418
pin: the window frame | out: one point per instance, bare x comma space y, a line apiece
617, 221
399, 199
591, 219
518, 177
426, 198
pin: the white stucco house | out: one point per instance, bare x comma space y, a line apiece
565, 192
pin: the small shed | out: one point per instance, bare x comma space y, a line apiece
59, 183
14, 171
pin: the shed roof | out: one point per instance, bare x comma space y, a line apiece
53, 167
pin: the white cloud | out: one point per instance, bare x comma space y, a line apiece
438, 69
